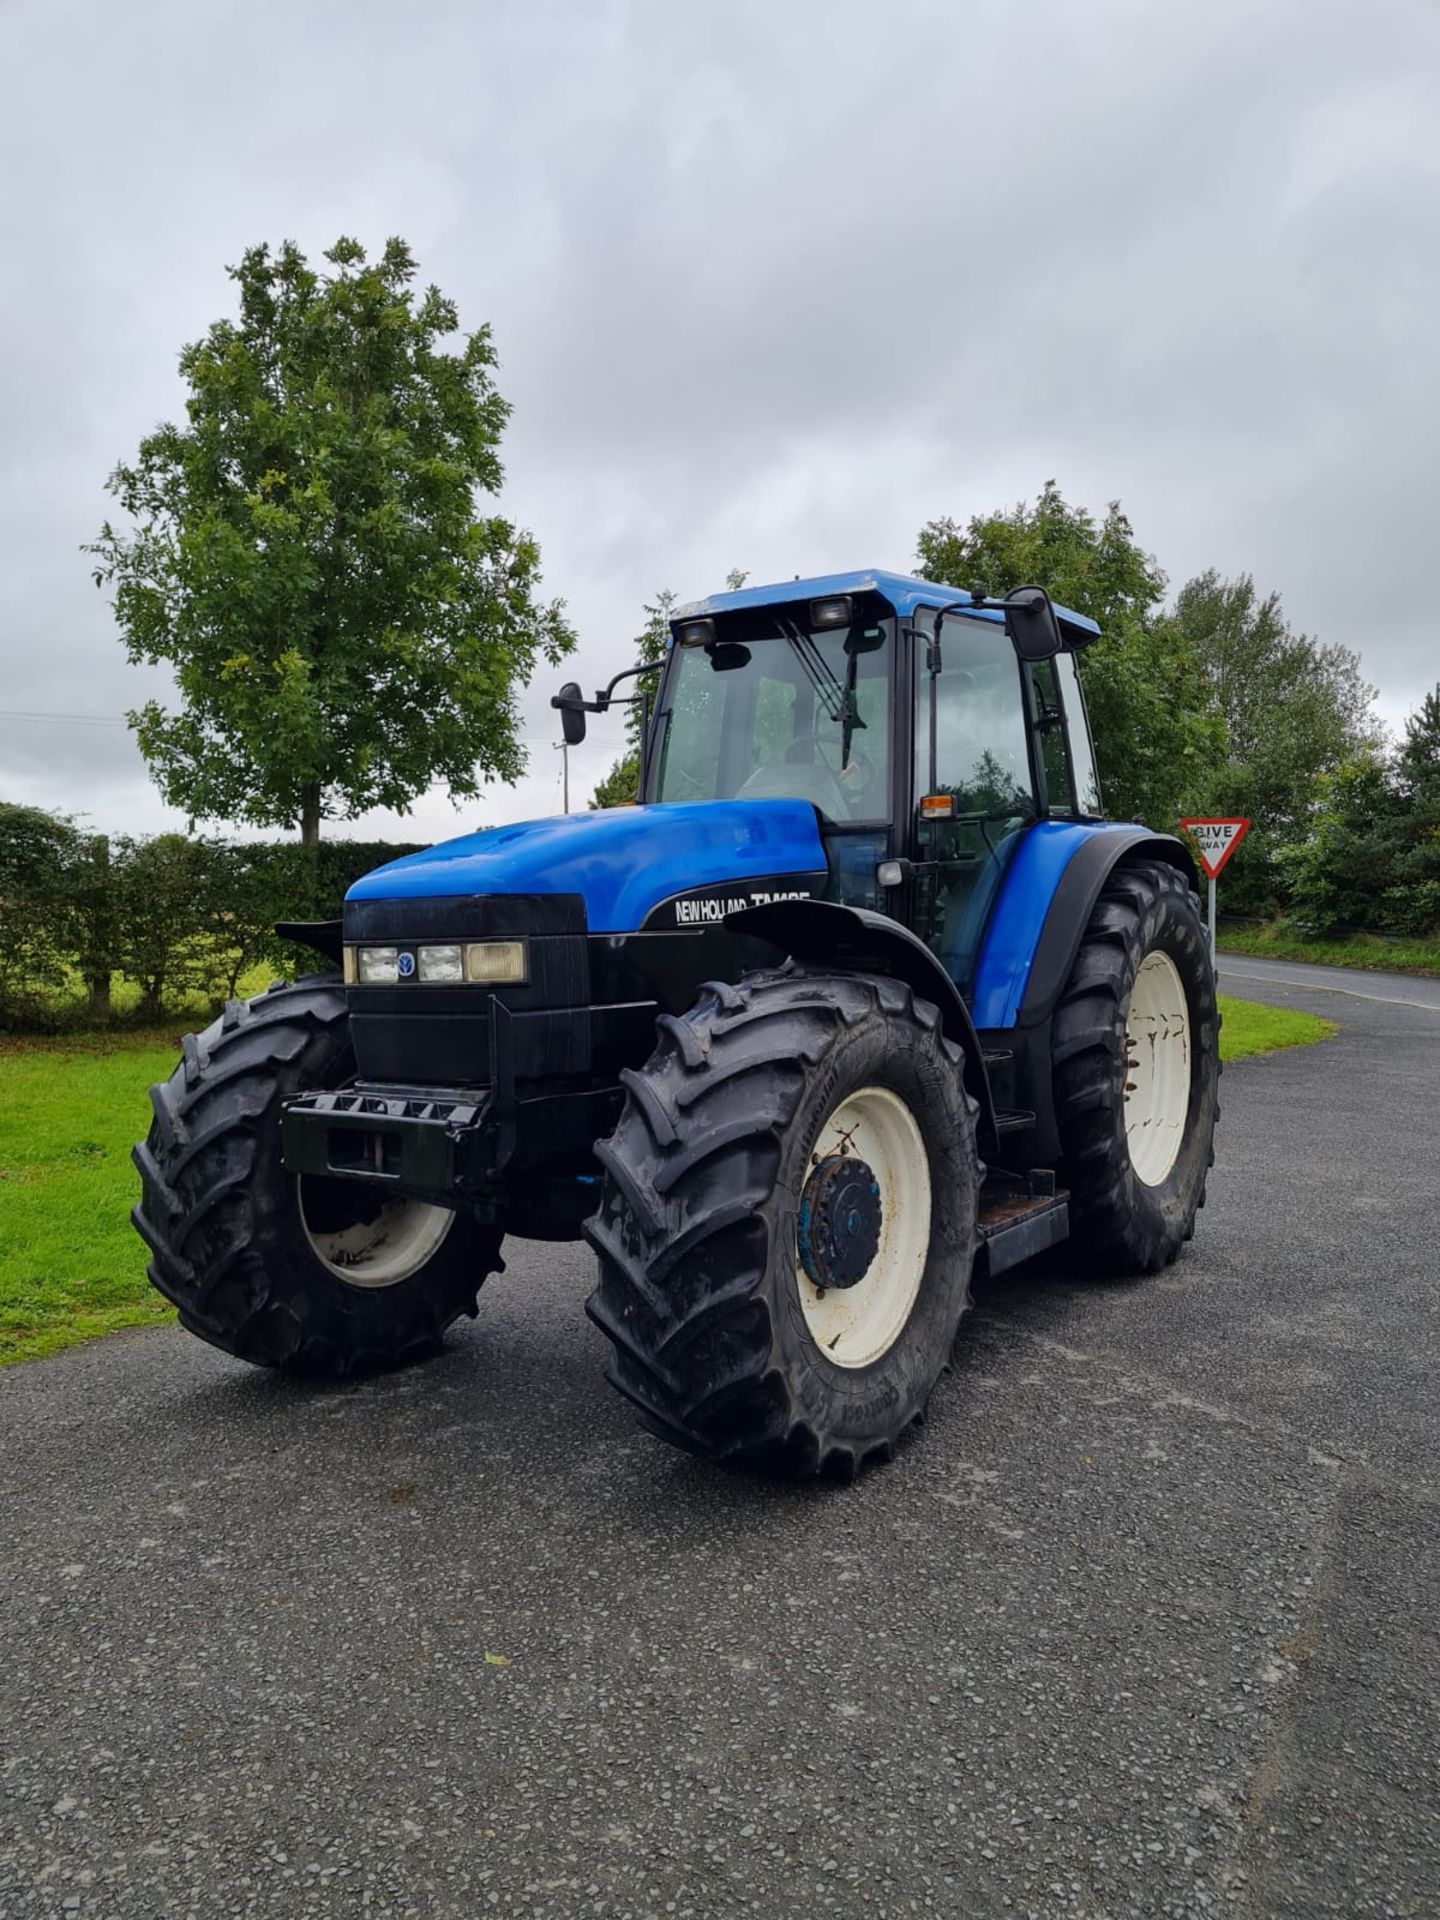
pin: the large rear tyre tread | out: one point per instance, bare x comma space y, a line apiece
220, 1215
1119, 1224
696, 1229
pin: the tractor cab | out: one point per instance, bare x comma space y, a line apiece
930, 730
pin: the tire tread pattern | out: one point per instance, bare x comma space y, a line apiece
690, 1212
218, 1213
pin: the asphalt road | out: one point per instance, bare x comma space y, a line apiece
1143, 1622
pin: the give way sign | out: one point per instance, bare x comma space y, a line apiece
1215, 841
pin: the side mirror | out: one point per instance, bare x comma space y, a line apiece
1031, 624
571, 702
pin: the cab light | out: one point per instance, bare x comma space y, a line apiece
838, 612
496, 963
378, 966
440, 965
937, 806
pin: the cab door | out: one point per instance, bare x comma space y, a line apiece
977, 786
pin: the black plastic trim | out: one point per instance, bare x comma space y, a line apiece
855, 940
464, 916
320, 936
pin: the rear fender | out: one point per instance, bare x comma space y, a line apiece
1034, 935
1074, 901
1044, 906
855, 940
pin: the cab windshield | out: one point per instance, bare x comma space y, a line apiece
782, 712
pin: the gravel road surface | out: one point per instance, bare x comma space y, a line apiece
1145, 1621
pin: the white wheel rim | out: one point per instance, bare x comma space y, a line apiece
402, 1238
1157, 1068
855, 1326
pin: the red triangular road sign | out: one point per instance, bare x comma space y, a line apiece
1215, 841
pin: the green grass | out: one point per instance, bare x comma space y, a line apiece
72, 1266
1247, 1028
1358, 950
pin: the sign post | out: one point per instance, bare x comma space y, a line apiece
1215, 841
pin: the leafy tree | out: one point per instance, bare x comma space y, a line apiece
1335, 873
1293, 711
165, 892
1157, 734
1412, 865
35, 849
90, 885
343, 626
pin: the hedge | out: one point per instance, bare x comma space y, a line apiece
180, 915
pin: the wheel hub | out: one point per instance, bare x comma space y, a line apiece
839, 1223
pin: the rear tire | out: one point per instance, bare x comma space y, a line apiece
1136, 1072
316, 1277
708, 1216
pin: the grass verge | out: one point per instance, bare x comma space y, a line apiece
1358, 950
72, 1266
1247, 1028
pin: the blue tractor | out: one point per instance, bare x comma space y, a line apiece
864, 999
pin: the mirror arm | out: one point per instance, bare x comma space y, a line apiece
605, 696
644, 740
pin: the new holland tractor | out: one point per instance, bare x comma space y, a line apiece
864, 1000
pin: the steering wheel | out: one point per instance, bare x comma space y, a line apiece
859, 766
812, 780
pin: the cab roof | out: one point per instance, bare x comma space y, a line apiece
905, 593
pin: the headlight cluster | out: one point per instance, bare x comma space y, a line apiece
494, 963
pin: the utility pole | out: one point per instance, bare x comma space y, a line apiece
562, 747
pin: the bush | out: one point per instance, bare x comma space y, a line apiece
35, 932
179, 915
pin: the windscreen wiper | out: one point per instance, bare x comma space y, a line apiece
832, 694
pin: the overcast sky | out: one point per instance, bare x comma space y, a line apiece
771, 284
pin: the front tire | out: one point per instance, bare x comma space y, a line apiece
740, 1170
323, 1277
1136, 1072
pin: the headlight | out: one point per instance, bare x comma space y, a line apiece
439, 965
496, 962
491, 963
377, 966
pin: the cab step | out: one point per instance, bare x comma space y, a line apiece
1020, 1216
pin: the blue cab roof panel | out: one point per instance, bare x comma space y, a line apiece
905, 593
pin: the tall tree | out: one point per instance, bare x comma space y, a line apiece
1156, 731
1295, 712
1413, 841
306, 554
35, 852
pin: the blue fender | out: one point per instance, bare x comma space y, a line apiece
1039, 918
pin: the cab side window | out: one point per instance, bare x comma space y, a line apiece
1050, 728
1077, 725
982, 764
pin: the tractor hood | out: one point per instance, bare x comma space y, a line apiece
623, 862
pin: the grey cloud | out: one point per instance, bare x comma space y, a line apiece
770, 286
